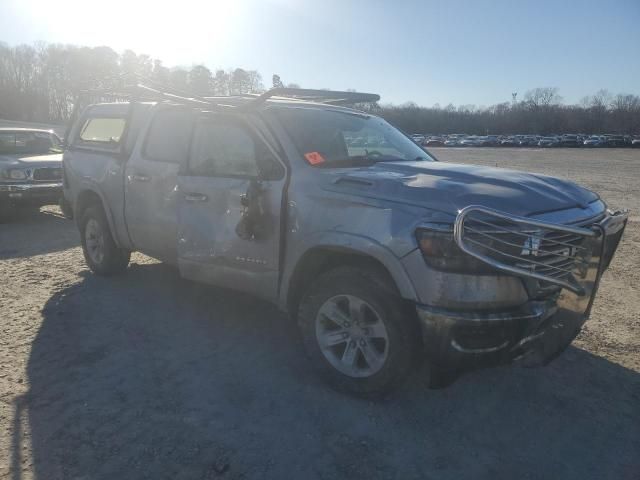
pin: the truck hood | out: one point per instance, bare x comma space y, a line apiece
449, 187
16, 161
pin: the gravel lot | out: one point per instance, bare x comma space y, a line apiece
150, 376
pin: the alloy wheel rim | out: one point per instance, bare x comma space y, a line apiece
352, 336
94, 239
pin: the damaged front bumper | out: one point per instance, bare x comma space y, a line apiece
532, 334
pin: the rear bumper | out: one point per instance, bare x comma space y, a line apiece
31, 193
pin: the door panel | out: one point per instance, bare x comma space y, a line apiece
151, 178
229, 227
151, 206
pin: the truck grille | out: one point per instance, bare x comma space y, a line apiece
48, 174
553, 253
559, 252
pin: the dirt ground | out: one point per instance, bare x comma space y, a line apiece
149, 376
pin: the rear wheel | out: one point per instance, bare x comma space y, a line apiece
100, 250
356, 332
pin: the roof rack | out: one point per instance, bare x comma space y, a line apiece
141, 92
137, 92
321, 96
146, 89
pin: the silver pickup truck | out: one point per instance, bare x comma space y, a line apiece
382, 254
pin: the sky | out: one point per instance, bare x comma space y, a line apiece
430, 51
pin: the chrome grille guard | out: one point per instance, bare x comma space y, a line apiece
545, 251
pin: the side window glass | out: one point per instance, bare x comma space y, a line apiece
168, 136
102, 130
223, 150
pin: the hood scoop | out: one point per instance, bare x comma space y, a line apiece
353, 181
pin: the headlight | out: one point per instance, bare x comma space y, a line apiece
17, 174
441, 252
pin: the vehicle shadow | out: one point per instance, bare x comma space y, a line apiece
36, 232
150, 376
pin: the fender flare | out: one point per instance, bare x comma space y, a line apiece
346, 242
94, 189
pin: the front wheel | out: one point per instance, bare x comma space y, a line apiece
356, 332
100, 250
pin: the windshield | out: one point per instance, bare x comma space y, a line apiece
28, 143
331, 138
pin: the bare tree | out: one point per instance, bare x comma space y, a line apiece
625, 111
276, 82
239, 82
255, 82
221, 83
200, 80
542, 97
601, 99
245, 81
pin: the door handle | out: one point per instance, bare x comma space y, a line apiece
139, 178
195, 197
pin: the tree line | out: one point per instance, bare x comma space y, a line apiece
40, 82
541, 111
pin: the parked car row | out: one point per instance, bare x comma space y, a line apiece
565, 140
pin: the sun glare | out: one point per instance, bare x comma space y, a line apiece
165, 29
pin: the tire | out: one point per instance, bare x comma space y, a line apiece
100, 251
367, 297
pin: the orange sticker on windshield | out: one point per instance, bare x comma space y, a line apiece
314, 158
